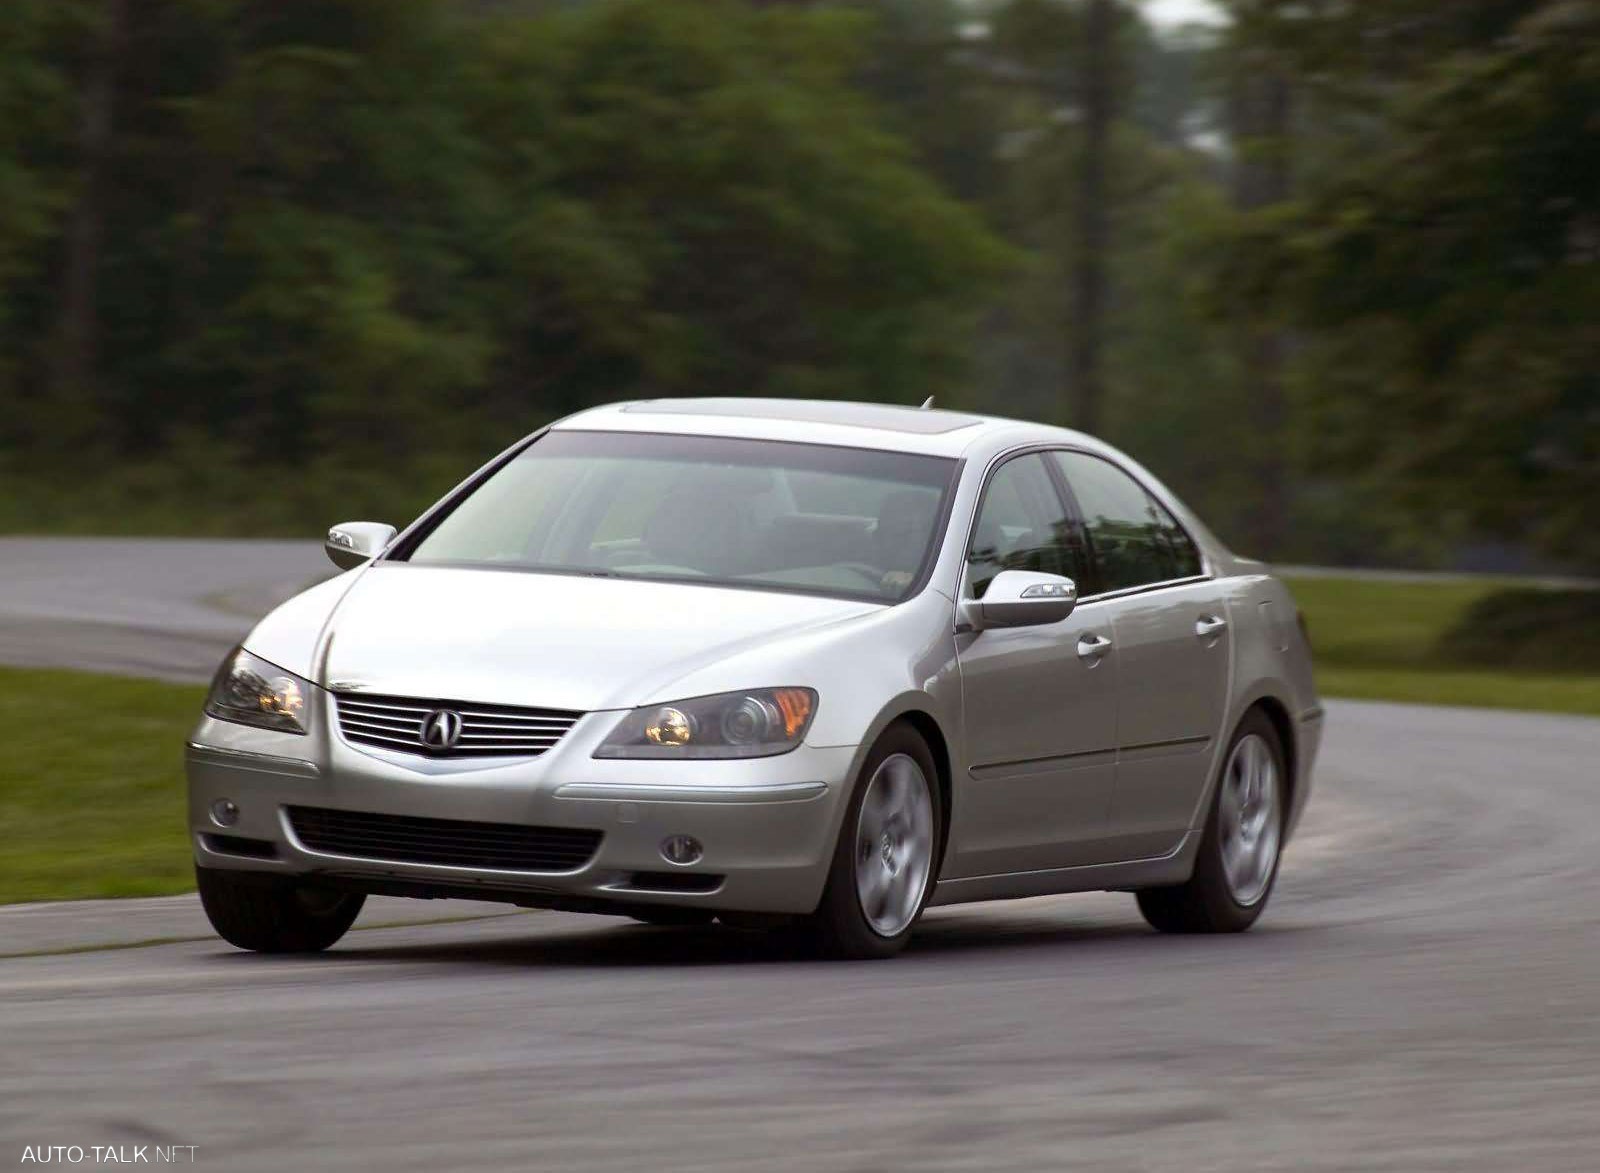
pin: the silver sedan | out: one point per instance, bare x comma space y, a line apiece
817, 665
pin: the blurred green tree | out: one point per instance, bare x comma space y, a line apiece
357, 243
994, 96
1331, 268
36, 111
1444, 260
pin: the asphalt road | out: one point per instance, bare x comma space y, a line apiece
168, 609
1421, 995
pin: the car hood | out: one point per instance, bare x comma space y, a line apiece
520, 638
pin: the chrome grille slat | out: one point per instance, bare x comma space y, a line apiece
486, 730
512, 722
400, 737
419, 711
404, 736
382, 726
407, 743
552, 737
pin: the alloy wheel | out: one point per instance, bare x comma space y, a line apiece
1249, 823
894, 845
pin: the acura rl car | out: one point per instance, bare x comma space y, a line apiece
769, 662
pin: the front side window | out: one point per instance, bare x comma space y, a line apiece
1023, 525
756, 513
1136, 540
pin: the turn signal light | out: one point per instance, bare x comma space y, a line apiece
795, 705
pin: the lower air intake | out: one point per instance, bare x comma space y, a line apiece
446, 842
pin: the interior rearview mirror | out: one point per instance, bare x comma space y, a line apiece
1021, 598
354, 542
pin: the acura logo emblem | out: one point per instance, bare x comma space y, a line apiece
441, 729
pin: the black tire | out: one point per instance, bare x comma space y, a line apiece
679, 917
839, 928
1206, 903
267, 915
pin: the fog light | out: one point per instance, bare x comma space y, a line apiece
681, 849
224, 813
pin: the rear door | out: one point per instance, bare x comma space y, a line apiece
1040, 702
1170, 626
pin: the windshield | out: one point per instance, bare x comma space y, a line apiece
755, 513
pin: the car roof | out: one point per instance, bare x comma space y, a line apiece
820, 421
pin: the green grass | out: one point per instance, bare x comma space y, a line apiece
91, 786
1482, 689
1403, 641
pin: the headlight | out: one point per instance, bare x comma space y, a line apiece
251, 691
753, 724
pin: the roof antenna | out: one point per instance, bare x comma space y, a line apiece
927, 404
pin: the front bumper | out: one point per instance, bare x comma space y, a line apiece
767, 825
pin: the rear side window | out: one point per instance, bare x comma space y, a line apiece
1023, 525
1136, 540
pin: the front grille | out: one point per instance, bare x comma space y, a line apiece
452, 842
399, 723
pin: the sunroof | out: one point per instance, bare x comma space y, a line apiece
816, 411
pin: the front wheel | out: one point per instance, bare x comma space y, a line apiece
265, 916
1238, 861
884, 863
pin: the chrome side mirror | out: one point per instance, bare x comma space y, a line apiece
356, 542
1021, 598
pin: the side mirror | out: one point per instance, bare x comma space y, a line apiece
1021, 598
355, 542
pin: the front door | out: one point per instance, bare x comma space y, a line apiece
1040, 702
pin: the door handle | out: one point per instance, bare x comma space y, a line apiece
1210, 626
1092, 647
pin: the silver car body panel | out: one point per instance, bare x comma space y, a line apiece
1064, 780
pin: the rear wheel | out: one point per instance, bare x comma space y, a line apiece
883, 865
265, 915
1238, 860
